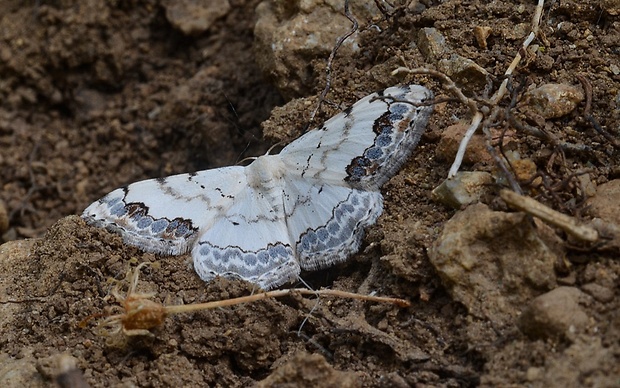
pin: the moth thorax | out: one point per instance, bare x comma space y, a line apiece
265, 171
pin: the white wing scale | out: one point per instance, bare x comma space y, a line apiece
304, 208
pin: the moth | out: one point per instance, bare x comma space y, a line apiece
304, 208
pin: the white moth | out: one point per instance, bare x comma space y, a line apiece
304, 208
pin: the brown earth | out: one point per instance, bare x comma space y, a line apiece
95, 95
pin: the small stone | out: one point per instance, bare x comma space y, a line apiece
552, 100
464, 188
449, 144
517, 32
482, 34
534, 373
432, 44
193, 17
554, 315
586, 185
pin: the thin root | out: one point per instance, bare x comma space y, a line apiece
138, 314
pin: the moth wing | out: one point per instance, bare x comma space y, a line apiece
365, 145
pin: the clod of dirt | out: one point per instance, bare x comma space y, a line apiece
277, 128
194, 17
14, 256
4, 218
554, 315
464, 188
601, 293
493, 262
552, 100
290, 34
524, 169
605, 202
309, 370
20, 371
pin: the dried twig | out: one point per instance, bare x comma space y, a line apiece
478, 115
587, 87
567, 223
139, 314
330, 60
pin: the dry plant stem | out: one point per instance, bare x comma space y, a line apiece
550, 216
460, 154
446, 81
451, 87
477, 119
500, 160
139, 314
477, 115
280, 293
515, 62
330, 60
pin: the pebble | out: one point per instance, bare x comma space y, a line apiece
464, 72
432, 44
193, 17
552, 100
554, 315
450, 140
464, 188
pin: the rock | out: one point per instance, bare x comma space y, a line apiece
551, 100
449, 144
290, 34
309, 370
464, 188
586, 186
604, 204
432, 44
193, 17
517, 32
482, 33
493, 262
464, 72
524, 169
554, 315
